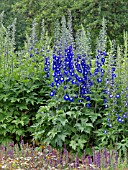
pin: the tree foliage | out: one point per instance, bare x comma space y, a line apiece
86, 12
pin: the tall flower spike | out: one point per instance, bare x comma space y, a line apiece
69, 23
42, 31
102, 37
57, 35
13, 43
33, 35
64, 40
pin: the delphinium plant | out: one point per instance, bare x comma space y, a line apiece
23, 85
114, 131
73, 110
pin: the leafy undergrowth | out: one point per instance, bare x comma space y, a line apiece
29, 157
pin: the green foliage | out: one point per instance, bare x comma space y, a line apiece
25, 107
59, 124
116, 136
20, 100
23, 87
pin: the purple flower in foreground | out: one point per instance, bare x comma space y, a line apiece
77, 160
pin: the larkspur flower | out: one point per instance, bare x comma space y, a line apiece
110, 96
73, 81
52, 94
66, 97
124, 115
31, 55
65, 87
119, 119
52, 84
108, 119
110, 125
88, 105
117, 96
87, 98
99, 80
57, 84
80, 101
105, 132
71, 99
103, 60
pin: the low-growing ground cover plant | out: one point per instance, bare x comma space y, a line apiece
24, 157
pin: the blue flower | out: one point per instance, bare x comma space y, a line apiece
46, 69
124, 115
65, 87
119, 119
103, 60
57, 84
118, 96
110, 125
98, 64
79, 79
52, 94
68, 79
71, 99
108, 119
73, 81
52, 84
105, 100
97, 57
113, 76
88, 105
56, 79
113, 69
102, 71
105, 132
65, 72
30, 48
62, 79
99, 80
87, 98
110, 96
71, 74
31, 55
79, 70
66, 97
79, 56
80, 101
